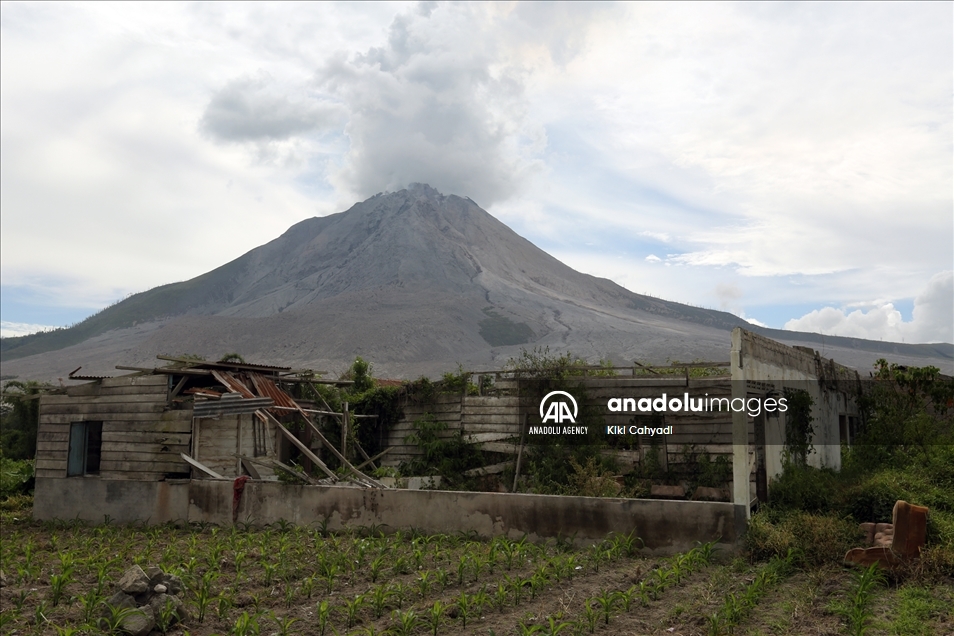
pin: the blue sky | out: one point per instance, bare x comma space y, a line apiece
790, 163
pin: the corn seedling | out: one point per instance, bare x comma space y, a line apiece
463, 608
88, 603
375, 568
606, 600
168, 615
405, 623
434, 616
424, 583
555, 626
590, 615
58, 583
245, 625
442, 576
352, 608
323, 615
284, 624
857, 611
399, 592
500, 597
379, 600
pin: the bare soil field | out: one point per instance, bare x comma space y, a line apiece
285, 579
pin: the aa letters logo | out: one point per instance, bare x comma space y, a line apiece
559, 409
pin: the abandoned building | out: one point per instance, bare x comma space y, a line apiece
206, 441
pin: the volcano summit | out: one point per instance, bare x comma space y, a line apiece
414, 281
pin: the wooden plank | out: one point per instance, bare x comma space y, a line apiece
46, 451
52, 449
300, 445
99, 410
250, 468
151, 446
499, 447
165, 416
135, 398
511, 417
375, 458
162, 467
434, 409
334, 451
151, 437
473, 427
477, 438
53, 436
201, 467
136, 380
491, 399
493, 469
53, 464
144, 455
125, 475
156, 426
288, 469
153, 391
49, 473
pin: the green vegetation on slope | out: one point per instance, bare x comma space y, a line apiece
213, 289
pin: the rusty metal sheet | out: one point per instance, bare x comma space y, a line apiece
266, 388
232, 383
207, 393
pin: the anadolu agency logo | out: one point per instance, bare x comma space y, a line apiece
558, 408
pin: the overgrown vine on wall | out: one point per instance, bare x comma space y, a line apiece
798, 426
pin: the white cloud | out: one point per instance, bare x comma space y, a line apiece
797, 153
932, 317
13, 329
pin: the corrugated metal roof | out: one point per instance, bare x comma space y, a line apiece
234, 366
73, 376
232, 404
266, 388
232, 383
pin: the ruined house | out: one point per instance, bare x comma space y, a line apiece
205, 441
127, 438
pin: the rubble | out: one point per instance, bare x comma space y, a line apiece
149, 598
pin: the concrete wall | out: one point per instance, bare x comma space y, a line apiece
759, 364
666, 526
92, 498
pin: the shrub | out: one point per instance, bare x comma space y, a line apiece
817, 539
805, 488
16, 477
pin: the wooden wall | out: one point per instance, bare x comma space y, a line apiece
141, 438
220, 440
495, 421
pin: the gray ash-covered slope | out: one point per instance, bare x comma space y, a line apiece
414, 280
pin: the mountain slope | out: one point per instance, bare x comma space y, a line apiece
415, 280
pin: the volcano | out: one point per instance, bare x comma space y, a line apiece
415, 281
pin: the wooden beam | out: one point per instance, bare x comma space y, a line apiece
179, 386
292, 408
202, 467
516, 472
167, 370
375, 458
334, 451
294, 473
298, 444
493, 469
249, 468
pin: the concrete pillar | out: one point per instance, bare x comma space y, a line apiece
740, 433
